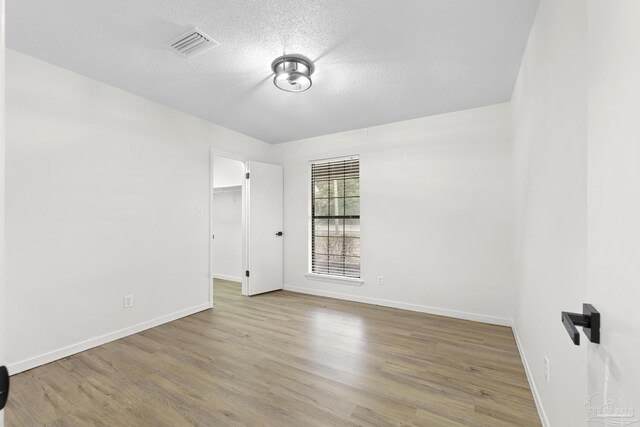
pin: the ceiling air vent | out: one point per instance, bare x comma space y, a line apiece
192, 43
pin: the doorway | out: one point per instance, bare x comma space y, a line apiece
227, 223
246, 225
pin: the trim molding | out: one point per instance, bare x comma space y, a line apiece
483, 318
225, 277
532, 382
334, 279
52, 356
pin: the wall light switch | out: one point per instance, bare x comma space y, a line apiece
200, 211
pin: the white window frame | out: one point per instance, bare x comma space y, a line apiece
318, 276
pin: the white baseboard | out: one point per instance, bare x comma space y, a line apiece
225, 277
532, 382
52, 356
404, 305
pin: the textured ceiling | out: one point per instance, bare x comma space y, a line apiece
376, 61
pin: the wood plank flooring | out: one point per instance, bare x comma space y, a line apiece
286, 359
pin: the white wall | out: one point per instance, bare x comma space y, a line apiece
549, 113
436, 213
227, 228
103, 189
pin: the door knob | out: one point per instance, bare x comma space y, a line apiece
279, 233
4, 386
589, 320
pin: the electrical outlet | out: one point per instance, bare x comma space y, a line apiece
547, 372
380, 280
128, 301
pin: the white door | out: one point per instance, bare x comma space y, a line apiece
613, 395
264, 222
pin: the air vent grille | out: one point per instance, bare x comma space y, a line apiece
192, 43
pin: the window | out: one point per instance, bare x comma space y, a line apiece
335, 217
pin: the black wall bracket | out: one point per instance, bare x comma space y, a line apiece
589, 320
4, 386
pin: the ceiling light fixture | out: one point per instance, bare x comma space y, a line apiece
293, 73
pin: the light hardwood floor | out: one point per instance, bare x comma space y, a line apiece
286, 359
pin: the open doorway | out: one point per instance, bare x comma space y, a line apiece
227, 224
246, 226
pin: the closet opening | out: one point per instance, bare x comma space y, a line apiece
227, 225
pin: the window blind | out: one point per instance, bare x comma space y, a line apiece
335, 217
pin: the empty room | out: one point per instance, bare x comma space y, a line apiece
320, 213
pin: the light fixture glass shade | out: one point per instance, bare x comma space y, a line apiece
292, 73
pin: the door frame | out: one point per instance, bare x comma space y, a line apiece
214, 152
2, 192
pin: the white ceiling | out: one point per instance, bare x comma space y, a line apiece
376, 61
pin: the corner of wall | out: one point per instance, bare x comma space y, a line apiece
530, 378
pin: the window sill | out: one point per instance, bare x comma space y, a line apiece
335, 279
